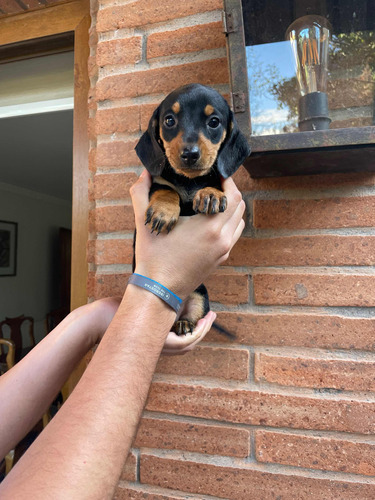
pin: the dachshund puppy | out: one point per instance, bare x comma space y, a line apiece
191, 142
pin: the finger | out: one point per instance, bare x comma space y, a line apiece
233, 195
180, 342
238, 232
235, 238
233, 222
139, 194
199, 339
175, 344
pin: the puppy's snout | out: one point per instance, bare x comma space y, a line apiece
190, 155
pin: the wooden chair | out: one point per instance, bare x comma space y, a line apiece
9, 357
15, 327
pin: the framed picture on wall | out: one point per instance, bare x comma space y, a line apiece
8, 248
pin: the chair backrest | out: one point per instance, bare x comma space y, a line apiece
14, 325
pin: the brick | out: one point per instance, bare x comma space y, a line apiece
90, 284
200, 438
314, 250
297, 330
263, 408
246, 481
316, 452
107, 285
145, 12
191, 39
112, 218
93, 34
113, 251
314, 290
342, 374
145, 492
91, 251
310, 214
146, 113
123, 120
91, 103
162, 80
116, 154
228, 364
113, 186
119, 51
92, 159
228, 288
92, 67
91, 129
129, 471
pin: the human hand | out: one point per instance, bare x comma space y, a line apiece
183, 258
181, 344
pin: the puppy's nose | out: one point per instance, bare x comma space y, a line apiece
190, 155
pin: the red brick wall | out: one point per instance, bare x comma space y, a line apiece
287, 410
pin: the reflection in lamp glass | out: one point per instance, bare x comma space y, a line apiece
309, 37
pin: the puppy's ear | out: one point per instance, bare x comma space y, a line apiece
234, 151
148, 148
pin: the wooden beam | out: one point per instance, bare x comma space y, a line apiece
37, 47
44, 22
80, 165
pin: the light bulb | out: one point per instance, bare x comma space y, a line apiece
309, 37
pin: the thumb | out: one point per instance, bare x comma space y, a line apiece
139, 195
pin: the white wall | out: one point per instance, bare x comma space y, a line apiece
31, 291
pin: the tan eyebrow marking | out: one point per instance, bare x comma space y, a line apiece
208, 110
176, 107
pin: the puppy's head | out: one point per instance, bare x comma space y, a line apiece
195, 129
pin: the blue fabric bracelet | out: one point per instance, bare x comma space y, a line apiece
157, 289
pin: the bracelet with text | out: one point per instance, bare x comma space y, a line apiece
157, 289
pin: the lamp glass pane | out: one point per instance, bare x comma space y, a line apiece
300, 47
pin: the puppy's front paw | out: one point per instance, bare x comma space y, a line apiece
163, 211
183, 326
209, 201
159, 220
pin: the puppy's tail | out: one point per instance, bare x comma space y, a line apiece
224, 331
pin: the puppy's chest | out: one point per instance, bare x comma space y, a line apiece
187, 188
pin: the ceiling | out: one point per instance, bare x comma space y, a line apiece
36, 152
36, 124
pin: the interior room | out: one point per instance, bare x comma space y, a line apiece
36, 135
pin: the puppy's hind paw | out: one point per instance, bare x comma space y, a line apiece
183, 327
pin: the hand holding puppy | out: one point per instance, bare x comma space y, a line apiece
182, 259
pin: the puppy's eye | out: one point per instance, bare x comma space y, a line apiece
169, 121
214, 122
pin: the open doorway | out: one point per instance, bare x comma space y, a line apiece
52, 29
36, 137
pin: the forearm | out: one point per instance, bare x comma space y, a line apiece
87, 442
28, 389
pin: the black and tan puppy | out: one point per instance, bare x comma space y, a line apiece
191, 142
